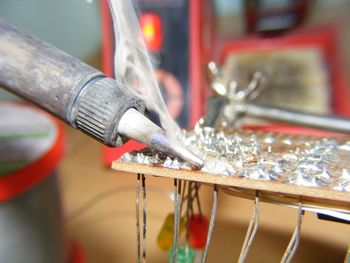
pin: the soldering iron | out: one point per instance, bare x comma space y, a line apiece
78, 94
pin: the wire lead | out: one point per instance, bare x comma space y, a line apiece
211, 223
294, 241
138, 219
144, 204
177, 217
251, 232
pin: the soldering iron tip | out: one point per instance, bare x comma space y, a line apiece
176, 149
135, 125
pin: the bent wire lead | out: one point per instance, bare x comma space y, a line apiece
251, 232
211, 224
294, 241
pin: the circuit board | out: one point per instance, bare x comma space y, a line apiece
305, 172
287, 166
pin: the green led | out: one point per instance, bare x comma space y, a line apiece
185, 254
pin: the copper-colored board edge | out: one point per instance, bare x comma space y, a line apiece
322, 195
287, 199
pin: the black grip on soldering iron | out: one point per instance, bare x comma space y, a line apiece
99, 107
73, 91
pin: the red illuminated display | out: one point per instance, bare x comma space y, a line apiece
151, 26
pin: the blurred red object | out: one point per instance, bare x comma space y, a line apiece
198, 231
111, 154
76, 253
151, 27
32, 174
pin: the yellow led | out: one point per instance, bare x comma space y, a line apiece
166, 234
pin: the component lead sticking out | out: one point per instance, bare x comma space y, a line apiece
144, 204
188, 210
211, 223
252, 229
269, 149
197, 198
294, 241
177, 217
138, 218
183, 195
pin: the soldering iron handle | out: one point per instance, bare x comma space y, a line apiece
73, 91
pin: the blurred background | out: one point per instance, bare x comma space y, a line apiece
235, 33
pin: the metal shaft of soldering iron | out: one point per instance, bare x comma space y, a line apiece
78, 94
331, 123
154, 136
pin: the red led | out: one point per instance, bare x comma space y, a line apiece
151, 26
198, 231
